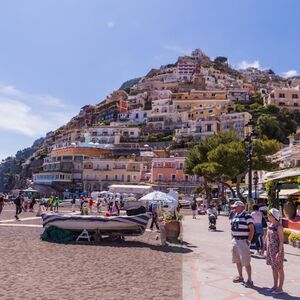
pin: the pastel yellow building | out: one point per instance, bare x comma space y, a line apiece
201, 99
99, 173
203, 112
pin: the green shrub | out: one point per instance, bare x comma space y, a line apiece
294, 237
286, 234
170, 216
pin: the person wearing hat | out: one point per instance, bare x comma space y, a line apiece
242, 231
275, 250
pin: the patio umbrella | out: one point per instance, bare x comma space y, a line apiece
158, 196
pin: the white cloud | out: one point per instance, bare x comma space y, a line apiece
47, 100
110, 24
247, 64
290, 73
178, 49
32, 115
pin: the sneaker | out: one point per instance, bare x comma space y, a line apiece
248, 284
238, 279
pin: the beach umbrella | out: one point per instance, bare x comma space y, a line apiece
158, 196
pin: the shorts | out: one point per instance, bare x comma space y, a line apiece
241, 252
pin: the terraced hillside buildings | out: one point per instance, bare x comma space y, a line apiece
185, 101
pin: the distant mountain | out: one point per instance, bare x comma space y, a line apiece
12, 173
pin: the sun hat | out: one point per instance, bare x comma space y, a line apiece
238, 203
275, 213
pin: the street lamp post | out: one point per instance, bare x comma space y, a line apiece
249, 140
249, 161
255, 178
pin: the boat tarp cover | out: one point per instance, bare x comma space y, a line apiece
57, 235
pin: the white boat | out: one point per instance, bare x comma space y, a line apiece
120, 225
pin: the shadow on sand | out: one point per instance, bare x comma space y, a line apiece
283, 296
169, 248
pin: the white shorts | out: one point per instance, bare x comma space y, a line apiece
241, 252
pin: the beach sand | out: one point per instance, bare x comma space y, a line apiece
138, 268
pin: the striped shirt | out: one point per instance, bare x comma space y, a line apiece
240, 225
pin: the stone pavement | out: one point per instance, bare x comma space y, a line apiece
208, 271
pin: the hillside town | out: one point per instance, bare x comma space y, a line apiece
150, 150
141, 132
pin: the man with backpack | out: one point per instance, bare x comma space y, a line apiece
153, 208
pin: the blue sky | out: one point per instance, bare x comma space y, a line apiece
58, 55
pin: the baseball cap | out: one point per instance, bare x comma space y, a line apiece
275, 213
238, 203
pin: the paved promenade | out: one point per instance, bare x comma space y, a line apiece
208, 271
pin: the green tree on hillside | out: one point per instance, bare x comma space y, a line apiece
222, 157
272, 122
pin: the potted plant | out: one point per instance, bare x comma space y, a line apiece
172, 224
294, 239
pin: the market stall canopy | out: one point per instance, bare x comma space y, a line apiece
283, 194
282, 174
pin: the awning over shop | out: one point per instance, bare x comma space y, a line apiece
283, 194
282, 174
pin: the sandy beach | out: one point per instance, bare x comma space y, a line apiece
138, 268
